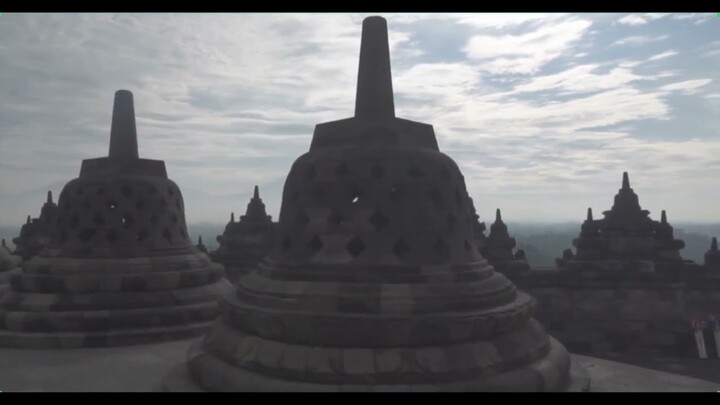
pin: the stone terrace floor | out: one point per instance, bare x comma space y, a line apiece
140, 368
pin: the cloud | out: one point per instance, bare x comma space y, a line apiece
695, 18
641, 19
663, 55
640, 40
632, 19
231, 100
686, 87
527, 52
580, 79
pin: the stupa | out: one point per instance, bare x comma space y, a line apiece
200, 246
712, 257
498, 249
245, 243
9, 264
626, 240
478, 228
374, 283
36, 233
121, 269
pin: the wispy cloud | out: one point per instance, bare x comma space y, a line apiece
638, 40
663, 55
526, 53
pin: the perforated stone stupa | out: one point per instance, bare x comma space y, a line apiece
498, 248
243, 244
36, 233
121, 269
374, 283
626, 240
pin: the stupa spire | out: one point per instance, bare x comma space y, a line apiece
256, 193
626, 181
123, 134
49, 197
714, 245
232, 217
27, 221
498, 216
663, 217
589, 214
374, 97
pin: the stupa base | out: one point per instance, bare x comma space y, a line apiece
109, 319
128, 337
223, 377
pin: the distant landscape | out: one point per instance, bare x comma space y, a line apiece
542, 242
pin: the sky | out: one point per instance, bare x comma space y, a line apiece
542, 112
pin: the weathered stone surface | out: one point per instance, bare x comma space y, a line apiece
119, 268
645, 313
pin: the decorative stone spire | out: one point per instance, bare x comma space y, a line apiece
244, 243
712, 257
255, 208
27, 221
625, 181
374, 98
49, 197
498, 228
498, 249
123, 134
200, 245
589, 214
232, 217
626, 235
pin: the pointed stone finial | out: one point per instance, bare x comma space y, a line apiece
27, 221
589, 214
626, 181
498, 216
663, 217
713, 245
123, 134
374, 98
200, 240
256, 193
232, 217
49, 197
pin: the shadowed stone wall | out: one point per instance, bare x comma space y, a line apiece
648, 313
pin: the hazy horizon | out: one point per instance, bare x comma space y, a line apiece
542, 112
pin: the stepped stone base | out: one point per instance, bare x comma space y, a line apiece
58, 303
221, 376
